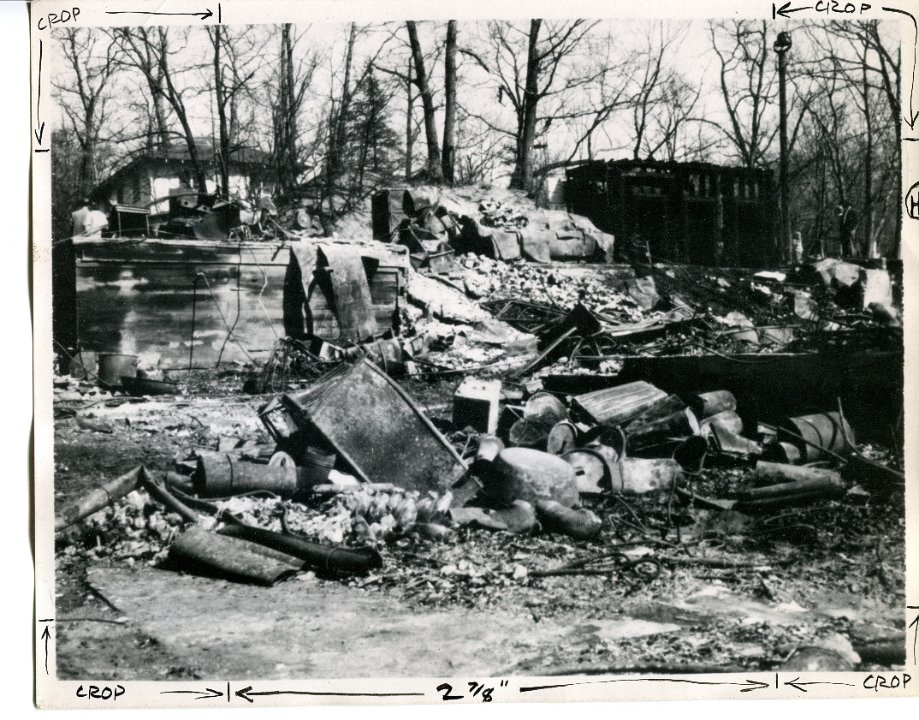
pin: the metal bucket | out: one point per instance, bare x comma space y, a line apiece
114, 366
83, 364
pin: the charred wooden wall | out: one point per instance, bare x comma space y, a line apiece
693, 213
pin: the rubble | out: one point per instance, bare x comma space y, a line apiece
632, 425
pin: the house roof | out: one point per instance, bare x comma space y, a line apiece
177, 154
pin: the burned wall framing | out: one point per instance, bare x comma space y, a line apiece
695, 213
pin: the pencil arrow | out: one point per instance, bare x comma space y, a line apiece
915, 623
46, 636
785, 11
247, 693
802, 685
40, 130
912, 114
745, 686
752, 685
202, 15
205, 694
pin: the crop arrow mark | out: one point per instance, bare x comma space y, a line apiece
785, 11
801, 685
745, 686
913, 115
46, 636
203, 15
247, 693
915, 623
40, 130
205, 694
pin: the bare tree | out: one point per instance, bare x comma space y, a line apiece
434, 164
664, 102
853, 108
409, 113
85, 100
746, 81
150, 51
548, 71
285, 94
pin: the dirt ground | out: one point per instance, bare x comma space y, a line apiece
812, 588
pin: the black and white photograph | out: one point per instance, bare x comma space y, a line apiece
476, 358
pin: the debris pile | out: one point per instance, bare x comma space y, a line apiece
634, 425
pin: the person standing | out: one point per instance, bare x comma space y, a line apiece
94, 222
848, 221
798, 248
78, 217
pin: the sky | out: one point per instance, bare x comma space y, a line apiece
691, 56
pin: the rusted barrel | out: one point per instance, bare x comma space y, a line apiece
781, 485
520, 517
525, 474
222, 475
783, 452
637, 476
664, 407
821, 430
733, 444
330, 558
690, 454
562, 437
211, 554
591, 468
710, 403
726, 419
545, 408
680, 424
528, 434
618, 405
579, 524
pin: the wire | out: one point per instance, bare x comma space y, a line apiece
223, 317
239, 273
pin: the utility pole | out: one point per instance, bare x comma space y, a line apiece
781, 47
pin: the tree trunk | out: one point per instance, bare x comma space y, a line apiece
289, 156
409, 134
178, 106
223, 157
522, 177
434, 167
449, 148
337, 121
88, 151
868, 214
